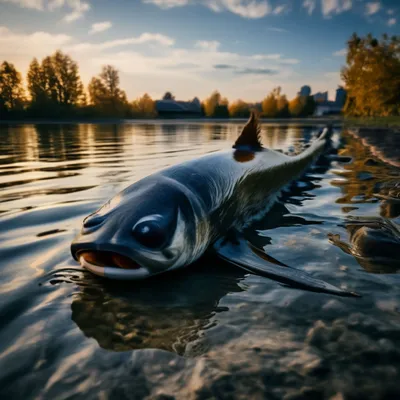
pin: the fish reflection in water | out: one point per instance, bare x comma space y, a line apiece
165, 313
374, 242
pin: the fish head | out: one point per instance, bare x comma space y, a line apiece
147, 229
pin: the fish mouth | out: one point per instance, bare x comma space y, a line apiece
113, 265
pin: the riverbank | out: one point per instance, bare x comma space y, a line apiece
303, 121
373, 122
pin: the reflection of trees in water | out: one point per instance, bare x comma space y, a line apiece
365, 177
18, 143
373, 241
166, 313
214, 132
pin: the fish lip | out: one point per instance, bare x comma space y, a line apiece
114, 272
79, 247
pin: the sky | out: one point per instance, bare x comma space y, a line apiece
243, 48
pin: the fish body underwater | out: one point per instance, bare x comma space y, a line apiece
171, 218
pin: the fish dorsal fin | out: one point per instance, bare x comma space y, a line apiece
249, 139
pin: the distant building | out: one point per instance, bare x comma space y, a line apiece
341, 95
327, 107
320, 97
305, 91
176, 108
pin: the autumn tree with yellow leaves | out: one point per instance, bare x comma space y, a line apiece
144, 107
372, 76
12, 95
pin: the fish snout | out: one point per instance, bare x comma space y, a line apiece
92, 222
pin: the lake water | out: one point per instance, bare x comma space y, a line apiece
211, 331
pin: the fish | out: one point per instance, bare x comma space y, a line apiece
171, 218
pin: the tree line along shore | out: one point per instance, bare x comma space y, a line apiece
54, 90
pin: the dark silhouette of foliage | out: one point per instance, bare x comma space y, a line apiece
239, 109
372, 76
168, 96
144, 107
216, 106
302, 106
106, 97
275, 104
11, 90
55, 86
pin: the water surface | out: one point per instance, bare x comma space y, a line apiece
210, 331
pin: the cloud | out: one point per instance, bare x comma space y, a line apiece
267, 57
256, 71
78, 10
36, 44
280, 30
246, 70
192, 71
372, 8
165, 4
247, 8
33, 4
143, 38
20, 49
244, 8
340, 53
392, 21
100, 27
213, 5
330, 7
275, 57
289, 61
181, 66
54, 4
279, 9
224, 66
211, 45
309, 5
77, 7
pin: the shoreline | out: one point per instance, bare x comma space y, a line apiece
172, 121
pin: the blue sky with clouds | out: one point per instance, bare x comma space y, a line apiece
243, 48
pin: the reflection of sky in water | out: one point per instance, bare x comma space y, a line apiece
64, 325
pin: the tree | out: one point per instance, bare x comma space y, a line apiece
275, 104
296, 107
239, 109
216, 106
168, 96
302, 106
282, 106
36, 83
372, 76
270, 106
144, 107
54, 85
106, 95
69, 87
11, 89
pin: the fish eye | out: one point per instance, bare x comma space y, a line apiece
150, 232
